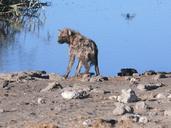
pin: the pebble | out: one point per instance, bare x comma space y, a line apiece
161, 96
143, 119
41, 101
167, 112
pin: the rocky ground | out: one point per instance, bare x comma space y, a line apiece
45, 100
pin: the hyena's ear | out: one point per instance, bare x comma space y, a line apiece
69, 32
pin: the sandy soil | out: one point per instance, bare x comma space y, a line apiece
23, 104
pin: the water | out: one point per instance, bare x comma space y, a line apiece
141, 41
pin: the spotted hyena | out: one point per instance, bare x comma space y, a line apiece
81, 47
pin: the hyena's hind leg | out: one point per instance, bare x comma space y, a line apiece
96, 66
87, 67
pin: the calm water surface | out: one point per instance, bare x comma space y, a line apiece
128, 34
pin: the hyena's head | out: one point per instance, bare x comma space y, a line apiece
64, 35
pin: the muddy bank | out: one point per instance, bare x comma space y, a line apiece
45, 100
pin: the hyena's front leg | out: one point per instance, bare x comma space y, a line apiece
78, 69
71, 62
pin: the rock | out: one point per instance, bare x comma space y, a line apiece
38, 74
127, 72
113, 98
141, 106
169, 96
132, 117
5, 85
127, 96
167, 112
51, 86
143, 119
121, 109
85, 77
144, 87
41, 101
74, 94
152, 114
2, 110
161, 96
134, 80
88, 123
98, 79
69, 94
101, 123
149, 73
135, 118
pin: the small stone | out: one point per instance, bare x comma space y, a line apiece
113, 97
143, 119
169, 96
52, 86
127, 96
167, 112
141, 106
132, 117
148, 87
121, 109
87, 123
152, 114
98, 79
134, 80
2, 110
161, 96
69, 94
85, 77
74, 94
41, 101
152, 86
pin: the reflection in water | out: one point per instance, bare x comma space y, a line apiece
30, 21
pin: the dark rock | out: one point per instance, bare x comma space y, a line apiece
127, 72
